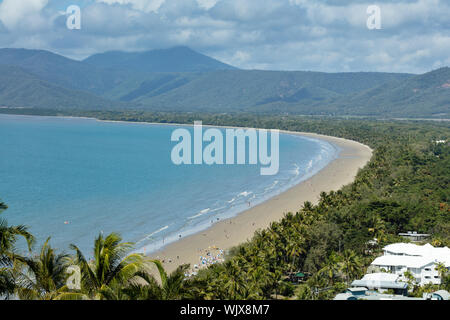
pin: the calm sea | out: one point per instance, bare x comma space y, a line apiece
72, 178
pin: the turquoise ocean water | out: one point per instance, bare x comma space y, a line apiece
72, 178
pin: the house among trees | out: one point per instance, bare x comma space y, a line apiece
424, 263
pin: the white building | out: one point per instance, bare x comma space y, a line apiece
411, 249
382, 282
414, 236
421, 261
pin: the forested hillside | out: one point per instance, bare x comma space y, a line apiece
21, 89
182, 80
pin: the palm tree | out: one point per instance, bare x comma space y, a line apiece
207, 285
350, 265
304, 292
331, 268
378, 228
410, 280
308, 206
277, 280
44, 278
442, 270
7, 282
146, 287
294, 246
8, 238
256, 267
234, 281
109, 271
314, 283
8, 256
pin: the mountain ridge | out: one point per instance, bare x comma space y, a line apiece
57, 82
19, 88
176, 59
60, 70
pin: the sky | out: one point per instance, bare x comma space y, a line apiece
316, 35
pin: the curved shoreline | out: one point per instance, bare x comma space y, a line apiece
233, 211
241, 228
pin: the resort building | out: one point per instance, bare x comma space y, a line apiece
414, 250
414, 236
365, 294
420, 261
382, 282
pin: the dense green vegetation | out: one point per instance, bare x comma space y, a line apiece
180, 79
404, 187
430, 90
256, 91
19, 88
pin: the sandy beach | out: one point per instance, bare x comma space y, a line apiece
231, 232
228, 233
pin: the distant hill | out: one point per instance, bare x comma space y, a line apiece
178, 59
242, 90
18, 88
180, 79
428, 93
62, 71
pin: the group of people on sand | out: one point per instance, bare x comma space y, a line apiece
208, 257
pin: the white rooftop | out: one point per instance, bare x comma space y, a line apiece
427, 250
380, 276
403, 261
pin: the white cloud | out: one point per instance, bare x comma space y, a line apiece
23, 13
321, 35
207, 4
141, 5
241, 57
379, 58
